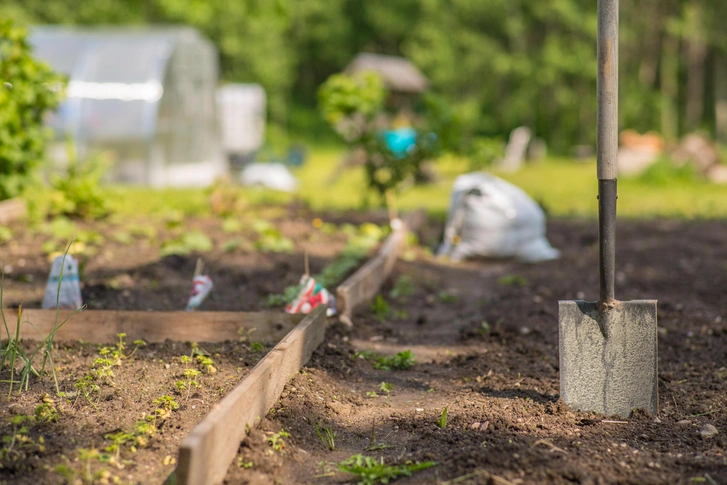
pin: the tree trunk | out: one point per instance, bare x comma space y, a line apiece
669, 87
720, 97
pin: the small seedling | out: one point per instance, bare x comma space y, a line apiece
385, 387
277, 441
403, 288
371, 471
447, 297
513, 280
381, 308
371, 394
46, 412
327, 436
484, 329
443, 418
242, 463
256, 347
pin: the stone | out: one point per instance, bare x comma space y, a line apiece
708, 431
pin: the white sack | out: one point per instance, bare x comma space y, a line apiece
491, 218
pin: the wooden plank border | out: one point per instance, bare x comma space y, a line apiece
102, 326
206, 453
365, 283
12, 210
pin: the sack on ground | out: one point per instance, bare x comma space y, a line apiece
491, 218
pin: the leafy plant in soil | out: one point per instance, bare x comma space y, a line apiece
400, 361
442, 423
193, 241
277, 440
370, 471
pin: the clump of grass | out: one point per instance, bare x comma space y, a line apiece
13, 352
370, 471
327, 436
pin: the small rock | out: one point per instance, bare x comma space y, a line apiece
484, 426
525, 331
684, 422
419, 410
708, 431
475, 425
657, 420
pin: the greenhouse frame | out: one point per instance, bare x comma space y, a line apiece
144, 97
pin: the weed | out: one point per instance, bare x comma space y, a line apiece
46, 412
447, 297
18, 445
256, 347
371, 394
192, 241
270, 239
442, 423
242, 463
165, 406
484, 329
277, 441
371, 471
327, 436
513, 280
78, 193
401, 361
87, 388
14, 353
190, 375
381, 308
403, 288
385, 387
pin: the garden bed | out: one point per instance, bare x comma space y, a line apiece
484, 337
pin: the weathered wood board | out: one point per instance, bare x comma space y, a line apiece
102, 326
206, 453
365, 283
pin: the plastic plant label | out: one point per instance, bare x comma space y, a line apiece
69, 297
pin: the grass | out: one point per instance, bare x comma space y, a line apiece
400, 361
370, 471
564, 187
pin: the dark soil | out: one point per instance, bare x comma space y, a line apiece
485, 346
500, 380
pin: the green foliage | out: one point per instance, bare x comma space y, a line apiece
354, 105
271, 239
400, 361
28, 91
385, 387
189, 242
327, 436
513, 280
403, 288
277, 440
664, 172
6, 234
381, 308
77, 193
442, 423
370, 471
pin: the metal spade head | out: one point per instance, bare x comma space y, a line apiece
608, 356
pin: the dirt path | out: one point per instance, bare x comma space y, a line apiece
484, 337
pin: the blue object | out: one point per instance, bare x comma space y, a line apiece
400, 141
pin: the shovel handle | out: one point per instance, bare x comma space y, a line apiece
607, 145
607, 88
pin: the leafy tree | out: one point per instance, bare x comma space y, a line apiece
28, 91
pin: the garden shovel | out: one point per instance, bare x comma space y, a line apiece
608, 348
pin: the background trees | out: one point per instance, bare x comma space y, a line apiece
500, 63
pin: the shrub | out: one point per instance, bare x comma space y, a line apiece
29, 89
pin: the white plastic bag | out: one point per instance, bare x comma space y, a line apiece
70, 294
491, 218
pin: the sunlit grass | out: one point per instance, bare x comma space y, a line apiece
564, 187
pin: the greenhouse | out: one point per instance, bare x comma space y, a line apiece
145, 98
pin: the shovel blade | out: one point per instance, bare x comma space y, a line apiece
608, 360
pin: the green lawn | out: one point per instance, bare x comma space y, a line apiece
564, 187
